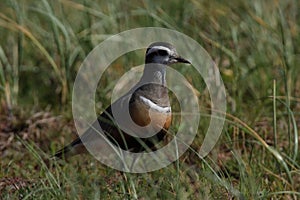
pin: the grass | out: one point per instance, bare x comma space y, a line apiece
254, 44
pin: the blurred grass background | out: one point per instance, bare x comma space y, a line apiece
255, 45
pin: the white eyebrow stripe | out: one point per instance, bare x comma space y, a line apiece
154, 106
158, 48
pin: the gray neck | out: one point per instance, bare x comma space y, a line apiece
155, 73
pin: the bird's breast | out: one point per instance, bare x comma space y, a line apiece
144, 111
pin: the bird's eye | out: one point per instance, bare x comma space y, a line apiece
162, 52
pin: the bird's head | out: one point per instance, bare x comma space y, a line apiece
163, 53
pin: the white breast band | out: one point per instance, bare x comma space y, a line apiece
154, 106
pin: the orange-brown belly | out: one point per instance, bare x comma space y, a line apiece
143, 116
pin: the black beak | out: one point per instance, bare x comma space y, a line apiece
182, 60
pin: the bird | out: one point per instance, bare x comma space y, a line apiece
148, 100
